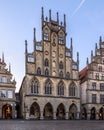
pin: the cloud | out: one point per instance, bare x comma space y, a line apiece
78, 7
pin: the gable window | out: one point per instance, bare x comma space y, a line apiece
10, 94
3, 93
46, 37
4, 79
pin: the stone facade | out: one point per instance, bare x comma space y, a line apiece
51, 87
7, 92
92, 85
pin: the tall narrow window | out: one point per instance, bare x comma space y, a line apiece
46, 72
61, 88
94, 86
39, 71
46, 36
48, 87
93, 98
101, 98
35, 86
72, 90
46, 62
61, 41
68, 75
61, 65
3, 93
102, 86
61, 74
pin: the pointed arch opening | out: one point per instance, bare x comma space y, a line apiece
35, 111
101, 113
73, 112
60, 112
7, 111
84, 113
48, 111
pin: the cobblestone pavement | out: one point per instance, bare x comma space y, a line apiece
51, 125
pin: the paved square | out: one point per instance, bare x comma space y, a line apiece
51, 125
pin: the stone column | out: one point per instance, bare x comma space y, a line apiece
97, 115
88, 114
41, 115
67, 116
78, 115
54, 115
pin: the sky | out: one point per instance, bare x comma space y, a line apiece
84, 23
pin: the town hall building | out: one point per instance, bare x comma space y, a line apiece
50, 88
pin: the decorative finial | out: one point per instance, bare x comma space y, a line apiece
87, 62
64, 20
9, 67
71, 47
25, 46
57, 17
3, 57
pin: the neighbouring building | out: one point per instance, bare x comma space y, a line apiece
7, 92
92, 85
50, 88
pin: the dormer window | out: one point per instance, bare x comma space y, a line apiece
46, 36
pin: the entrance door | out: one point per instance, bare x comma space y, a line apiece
7, 111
